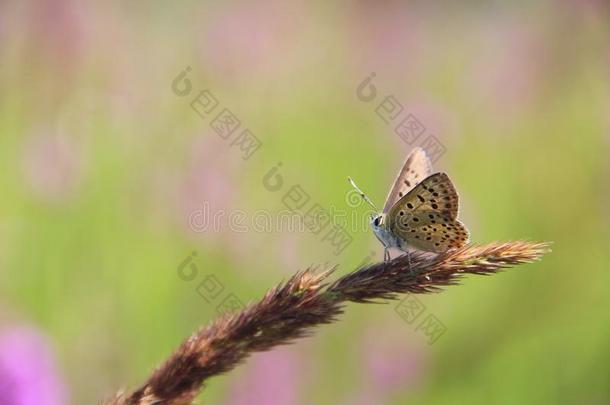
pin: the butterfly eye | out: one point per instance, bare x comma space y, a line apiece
376, 221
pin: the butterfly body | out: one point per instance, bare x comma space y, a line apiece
385, 235
421, 210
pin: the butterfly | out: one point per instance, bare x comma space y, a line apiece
421, 210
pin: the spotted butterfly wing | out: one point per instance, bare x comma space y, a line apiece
426, 218
417, 167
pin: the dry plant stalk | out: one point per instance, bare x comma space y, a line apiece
293, 309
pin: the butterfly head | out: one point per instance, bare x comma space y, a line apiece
378, 223
376, 220
381, 230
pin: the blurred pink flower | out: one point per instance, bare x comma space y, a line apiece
387, 36
391, 362
207, 197
508, 65
363, 397
272, 378
587, 6
209, 177
288, 251
28, 371
437, 120
52, 165
245, 38
191, 195
58, 31
4, 19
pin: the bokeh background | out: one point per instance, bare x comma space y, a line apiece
107, 171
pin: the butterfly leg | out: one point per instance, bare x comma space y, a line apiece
386, 254
409, 261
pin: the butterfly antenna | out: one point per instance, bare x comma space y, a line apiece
364, 196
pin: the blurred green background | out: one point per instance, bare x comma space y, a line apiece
106, 174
